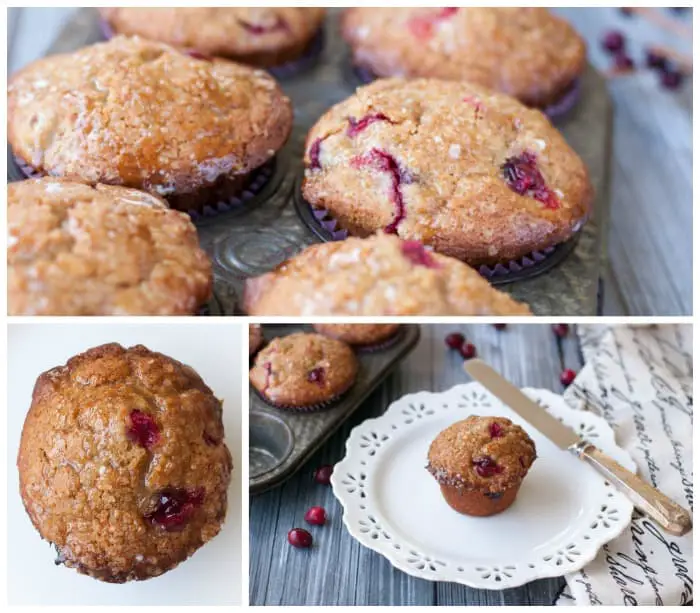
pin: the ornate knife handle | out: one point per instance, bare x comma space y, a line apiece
670, 516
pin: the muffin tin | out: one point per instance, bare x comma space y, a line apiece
272, 226
280, 442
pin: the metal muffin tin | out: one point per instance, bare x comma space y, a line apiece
269, 228
280, 441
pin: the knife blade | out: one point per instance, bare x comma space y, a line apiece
667, 513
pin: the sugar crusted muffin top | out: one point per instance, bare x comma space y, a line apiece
142, 114
381, 275
302, 370
526, 52
76, 249
128, 439
482, 453
235, 32
473, 173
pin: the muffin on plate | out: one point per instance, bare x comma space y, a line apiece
76, 249
480, 463
262, 36
122, 462
528, 53
381, 275
255, 339
361, 336
303, 372
472, 173
144, 115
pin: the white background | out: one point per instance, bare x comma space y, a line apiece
212, 575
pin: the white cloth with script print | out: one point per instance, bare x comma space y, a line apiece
640, 378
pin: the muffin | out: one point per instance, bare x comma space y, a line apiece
472, 173
361, 336
525, 52
303, 372
261, 36
381, 275
143, 115
76, 249
480, 463
255, 339
122, 463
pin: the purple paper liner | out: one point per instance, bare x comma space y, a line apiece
326, 221
562, 106
381, 345
283, 71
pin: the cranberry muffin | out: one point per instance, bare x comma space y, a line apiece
255, 339
144, 115
381, 275
76, 249
525, 52
362, 336
303, 372
472, 173
262, 36
122, 462
480, 463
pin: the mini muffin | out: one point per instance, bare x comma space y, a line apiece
144, 115
472, 173
528, 53
122, 463
76, 249
381, 275
303, 372
362, 336
255, 339
262, 36
480, 463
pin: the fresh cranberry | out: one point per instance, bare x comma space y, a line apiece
174, 507
614, 41
500, 327
415, 252
298, 537
496, 430
255, 28
567, 377
317, 375
486, 466
623, 62
467, 351
316, 516
561, 330
315, 154
671, 79
385, 162
523, 177
323, 474
454, 340
142, 429
655, 60
355, 126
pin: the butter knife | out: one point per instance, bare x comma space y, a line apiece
668, 514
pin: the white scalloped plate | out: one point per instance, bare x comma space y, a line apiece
564, 513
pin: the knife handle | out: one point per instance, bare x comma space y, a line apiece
669, 515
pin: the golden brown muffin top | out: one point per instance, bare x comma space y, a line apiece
112, 440
526, 52
142, 114
75, 249
483, 453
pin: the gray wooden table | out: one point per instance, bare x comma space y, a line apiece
650, 241
338, 570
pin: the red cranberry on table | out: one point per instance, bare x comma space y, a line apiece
567, 377
454, 340
655, 60
467, 351
561, 330
671, 79
624, 62
323, 474
298, 537
614, 41
500, 327
316, 516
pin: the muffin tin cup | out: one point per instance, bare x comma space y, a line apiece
326, 228
282, 440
